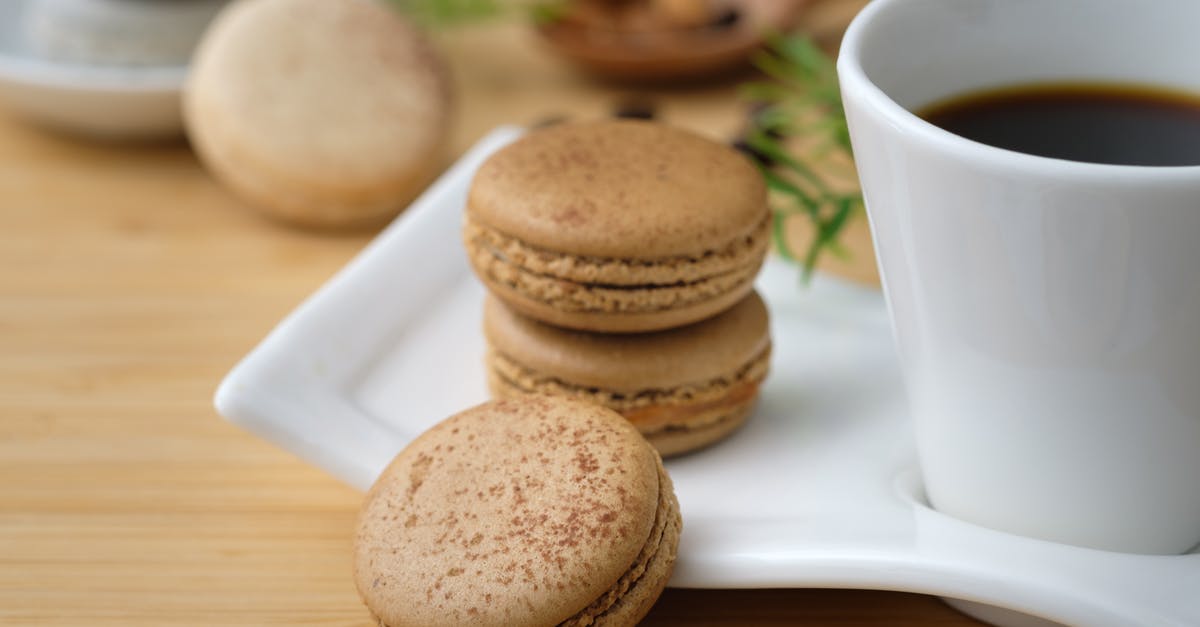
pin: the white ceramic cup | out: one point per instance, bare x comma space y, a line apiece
1047, 312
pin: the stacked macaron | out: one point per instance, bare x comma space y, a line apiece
621, 257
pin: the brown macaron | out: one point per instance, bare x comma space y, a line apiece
683, 388
538, 511
617, 226
320, 113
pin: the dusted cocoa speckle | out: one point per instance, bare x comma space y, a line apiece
586, 462
417, 473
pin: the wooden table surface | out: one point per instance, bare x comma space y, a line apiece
130, 283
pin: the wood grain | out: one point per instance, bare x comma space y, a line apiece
130, 283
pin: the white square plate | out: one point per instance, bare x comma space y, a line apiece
819, 488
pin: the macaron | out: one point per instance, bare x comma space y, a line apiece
684, 388
539, 511
618, 226
321, 113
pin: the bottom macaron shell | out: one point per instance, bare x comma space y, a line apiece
635, 594
632, 606
674, 441
618, 322
701, 429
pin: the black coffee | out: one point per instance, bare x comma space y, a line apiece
1118, 124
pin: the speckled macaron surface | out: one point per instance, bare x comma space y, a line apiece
538, 511
321, 113
683, 388
617, 226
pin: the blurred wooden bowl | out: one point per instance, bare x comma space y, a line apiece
632, 41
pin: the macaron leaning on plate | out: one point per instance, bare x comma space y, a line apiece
683, 388
617, 226
538, 511
321, 113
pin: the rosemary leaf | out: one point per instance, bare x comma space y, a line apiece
801, 130
779, 235
803, 199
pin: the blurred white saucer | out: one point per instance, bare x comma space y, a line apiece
69, 64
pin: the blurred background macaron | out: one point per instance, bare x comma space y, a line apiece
683, 388
617, 226
538, 511
321, 113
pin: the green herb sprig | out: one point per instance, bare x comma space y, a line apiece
801, 104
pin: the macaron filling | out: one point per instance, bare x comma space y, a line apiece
656, 419
576, 283
651, 410
610, 271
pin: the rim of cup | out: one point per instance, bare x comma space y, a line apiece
853, 77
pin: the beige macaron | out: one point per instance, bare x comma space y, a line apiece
538, 511
617, 226
321, 113
683, 388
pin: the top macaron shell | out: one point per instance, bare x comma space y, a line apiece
621, 189
510, 513
617, 226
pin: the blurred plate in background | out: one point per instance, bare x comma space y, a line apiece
108, 98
